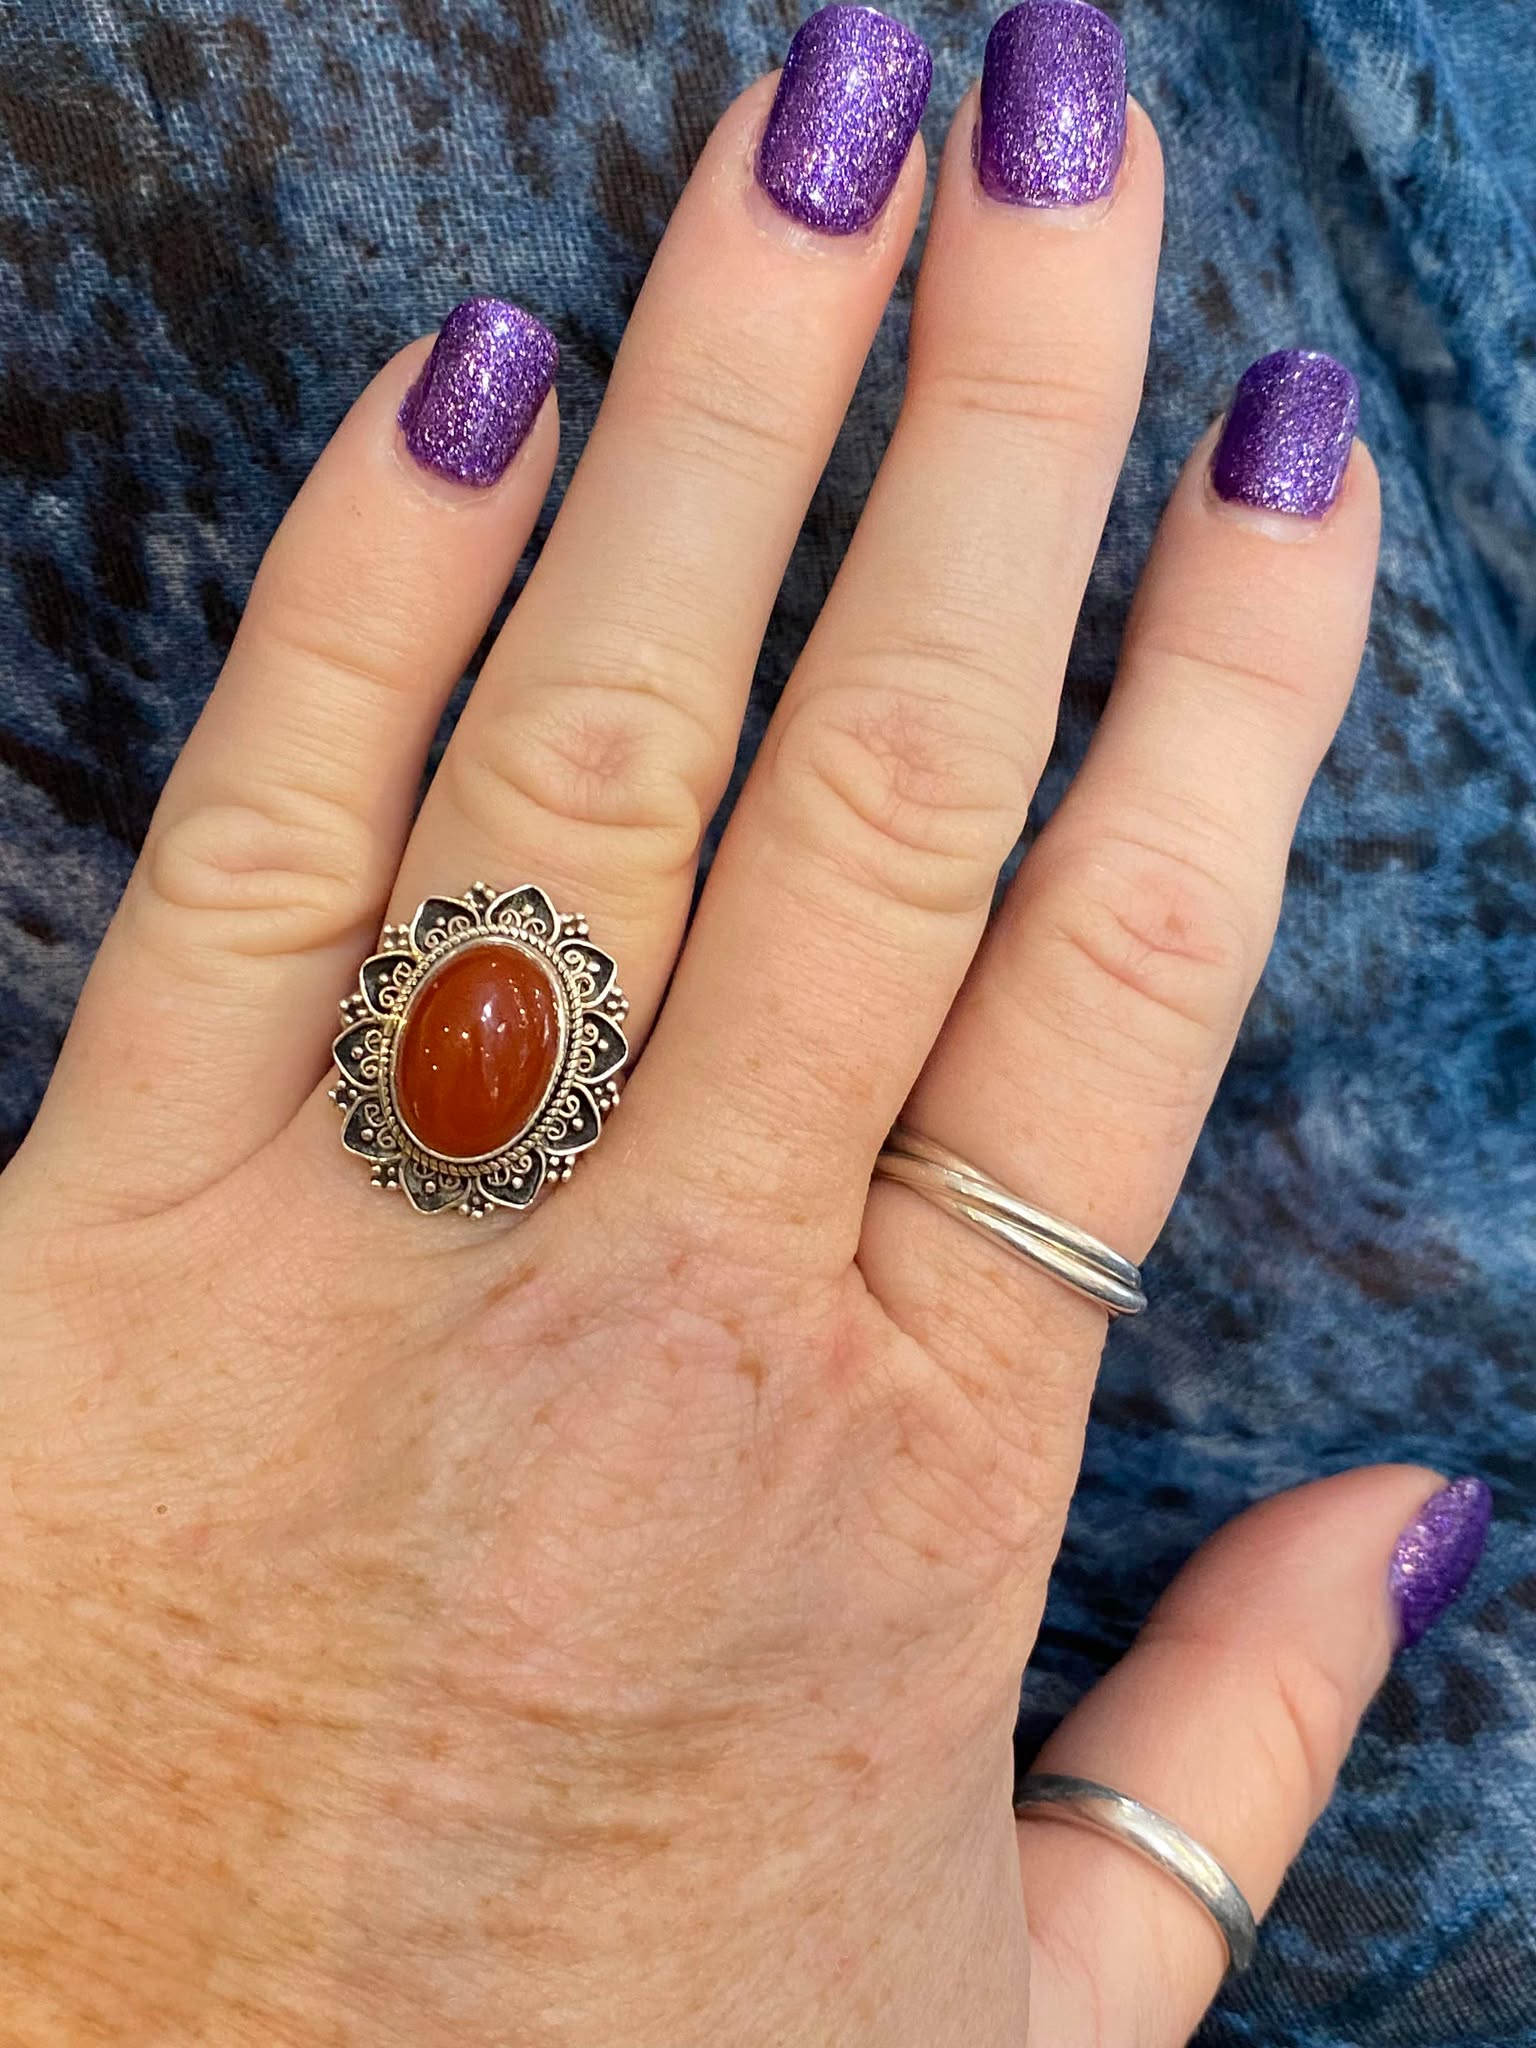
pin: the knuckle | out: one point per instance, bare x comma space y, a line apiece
1001, 392
1309, 1726
590, 756
1298, 1712
916, 798
1248, 656
289, 874
968, 1470
346, 623
1146, 930
944, 649
715, 411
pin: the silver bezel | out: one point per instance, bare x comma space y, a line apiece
582, 1090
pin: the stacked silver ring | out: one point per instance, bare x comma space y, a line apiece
1068, 1254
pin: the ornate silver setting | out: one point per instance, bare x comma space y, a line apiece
583, 1088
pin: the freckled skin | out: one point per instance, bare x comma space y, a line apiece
367, 1666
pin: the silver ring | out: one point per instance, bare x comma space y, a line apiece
1050, 1795
1068, 1254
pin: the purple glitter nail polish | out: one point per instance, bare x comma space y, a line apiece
850, 97
1437, 1553
1052, 127
479, 391
1286, 441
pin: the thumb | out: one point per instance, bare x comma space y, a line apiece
1230, 1715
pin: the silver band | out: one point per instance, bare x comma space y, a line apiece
984, 1205
1047, 1795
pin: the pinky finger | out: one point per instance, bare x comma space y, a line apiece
1231, 1716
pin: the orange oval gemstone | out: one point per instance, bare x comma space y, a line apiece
477, 1051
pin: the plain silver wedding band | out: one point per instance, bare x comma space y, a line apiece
1049, 1795
973, 1198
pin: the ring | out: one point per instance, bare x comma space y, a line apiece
985, 1206
481, 1051
1047, 1795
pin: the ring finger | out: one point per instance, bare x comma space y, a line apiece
1082, 1056
275, 842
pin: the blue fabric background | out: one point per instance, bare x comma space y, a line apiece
218, 216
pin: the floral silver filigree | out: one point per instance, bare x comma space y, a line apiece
584, 1085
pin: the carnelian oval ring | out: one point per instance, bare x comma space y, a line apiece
481, 1051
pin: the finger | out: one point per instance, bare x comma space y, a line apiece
1231, 1715
210, 1008
853, 883
1082, 1056
601, 733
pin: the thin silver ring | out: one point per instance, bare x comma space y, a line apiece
1050, 1795
1068, 1254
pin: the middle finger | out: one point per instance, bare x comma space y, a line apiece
600, 735
851, 889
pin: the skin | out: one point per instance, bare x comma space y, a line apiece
615, 1620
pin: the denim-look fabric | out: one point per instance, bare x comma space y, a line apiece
217, 217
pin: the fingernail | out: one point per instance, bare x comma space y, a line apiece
1437, 1554
849, 100
479, 391
1052, 128
1285, 444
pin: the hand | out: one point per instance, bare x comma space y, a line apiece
606, 1626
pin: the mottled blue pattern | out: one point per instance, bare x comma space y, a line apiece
218, 216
